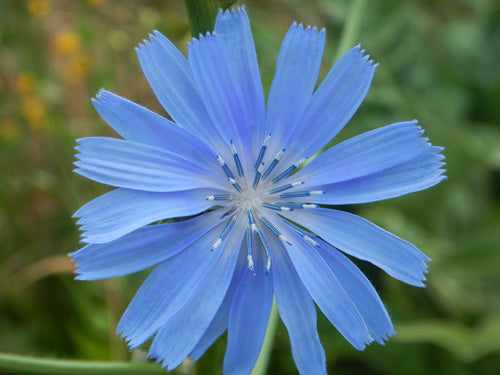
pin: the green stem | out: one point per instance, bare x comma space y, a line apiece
202, 14
352, 27
265, 353
18, 364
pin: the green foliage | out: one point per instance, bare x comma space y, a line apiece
438, 63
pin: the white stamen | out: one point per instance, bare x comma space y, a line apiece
298, 163
289, 170
295, 194
250, 262
310, 240
277, 207
268, 265
310, 206
266, 140
219, 197
216, 244
262, 151
284, 239
273, 164
285, 187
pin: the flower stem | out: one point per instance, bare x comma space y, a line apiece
18, 364
265, 353
202, 14
350, 33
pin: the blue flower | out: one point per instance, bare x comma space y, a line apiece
254, 224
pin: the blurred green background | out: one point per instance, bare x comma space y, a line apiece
439, 62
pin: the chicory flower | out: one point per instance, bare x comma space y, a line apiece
240, 175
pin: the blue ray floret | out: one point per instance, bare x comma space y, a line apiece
254, 227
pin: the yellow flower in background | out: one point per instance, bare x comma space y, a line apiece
39, 8
75, 64
26, 82
34, 110
67, 43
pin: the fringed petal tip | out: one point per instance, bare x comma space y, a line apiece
369, 340
238, 11
142, 46
419, 283
127, 337
379, 339
152, 355
435, 149
80, 274
420, 269
299, 27
145, 44
208, 36
364, 58
382, 340
156, 39
101, 96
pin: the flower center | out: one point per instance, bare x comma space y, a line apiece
251, 199
254, 200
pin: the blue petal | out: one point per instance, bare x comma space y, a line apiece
248, 317
364, 240
168, 288
365, 154
221, 90
296, 74
360, 291
333, 104
233, 27
298, 313
220, 321
134, 165
417, 174
122, 211
140, 249
179, 335
170, 77
325, 289
138, 124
